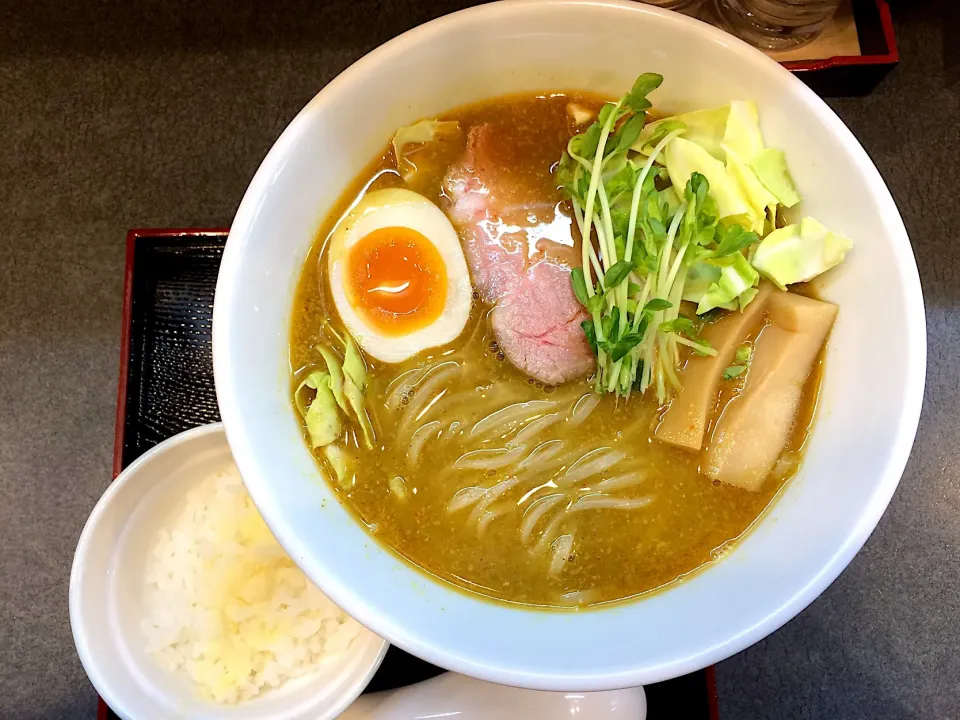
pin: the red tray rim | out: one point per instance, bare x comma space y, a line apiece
891, 57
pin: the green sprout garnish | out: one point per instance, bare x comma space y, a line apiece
641, 235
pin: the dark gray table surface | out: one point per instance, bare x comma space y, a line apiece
121, 114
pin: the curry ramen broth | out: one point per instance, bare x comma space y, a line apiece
562, 497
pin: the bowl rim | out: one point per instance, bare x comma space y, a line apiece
885, 486
102, 683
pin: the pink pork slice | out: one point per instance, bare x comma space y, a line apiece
519, 247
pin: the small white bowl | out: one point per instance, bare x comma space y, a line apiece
106, 601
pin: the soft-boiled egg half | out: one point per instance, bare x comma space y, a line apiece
398, 275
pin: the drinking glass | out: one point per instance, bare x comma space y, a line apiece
775, 24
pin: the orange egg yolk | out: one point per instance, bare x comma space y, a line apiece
396, 280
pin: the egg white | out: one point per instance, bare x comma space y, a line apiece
396, 207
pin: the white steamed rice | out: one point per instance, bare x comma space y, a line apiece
224, 603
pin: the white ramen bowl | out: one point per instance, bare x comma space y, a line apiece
871, 392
